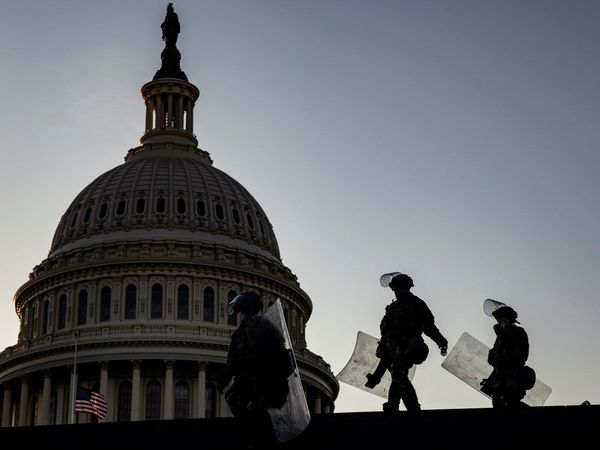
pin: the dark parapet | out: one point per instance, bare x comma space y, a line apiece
532, 428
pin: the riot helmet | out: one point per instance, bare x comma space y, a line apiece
394, 279
499, 310
248, 303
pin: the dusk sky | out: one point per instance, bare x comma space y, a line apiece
456, 141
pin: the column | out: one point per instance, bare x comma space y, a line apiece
135, 390
170, 110
224, 410
190, 117
327, 406
7, 406
318, 397
168, 394
104, 382
24, 402
201, 394
160, 120
180, 123
60, 400
44, 411
148, 115
72, 394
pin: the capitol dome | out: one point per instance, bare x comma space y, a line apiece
171, 194
131, 300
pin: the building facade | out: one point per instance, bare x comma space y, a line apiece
136, 283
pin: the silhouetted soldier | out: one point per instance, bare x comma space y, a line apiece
259, 364
511, 377
401, 344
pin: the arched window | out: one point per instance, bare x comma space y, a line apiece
153, 396
219, 211
236, 215
182, 400
82, 307
87, 214
105, 300
34, 319
200, 208
45, 314
140, 205
232, 319
156, 301
103, 210
130, 302
211, 401
209, 305
181, 206
121, 207
62, 312
250, 221
124, 402
161, 205
183, 302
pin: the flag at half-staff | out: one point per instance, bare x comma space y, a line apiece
88, 401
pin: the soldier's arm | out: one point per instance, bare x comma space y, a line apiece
431, 330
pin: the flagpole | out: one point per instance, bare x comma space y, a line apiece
74, 381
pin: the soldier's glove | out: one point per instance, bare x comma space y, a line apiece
443, 345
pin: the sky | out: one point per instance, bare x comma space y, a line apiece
455, 141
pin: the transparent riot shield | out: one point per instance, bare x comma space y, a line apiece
364, 361
490, 305
468, 361
293, 417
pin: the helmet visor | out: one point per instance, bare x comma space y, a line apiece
387, 277
489, 306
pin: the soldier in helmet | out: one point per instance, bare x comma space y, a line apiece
511, 377
401, 344
259, 365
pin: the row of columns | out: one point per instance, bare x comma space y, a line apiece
319, 404
43, 418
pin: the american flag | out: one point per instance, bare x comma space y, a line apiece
91, 402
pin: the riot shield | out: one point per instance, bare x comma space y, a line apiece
468, 361
490, 305
364, 361
293, 417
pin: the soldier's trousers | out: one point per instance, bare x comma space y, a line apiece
402, 389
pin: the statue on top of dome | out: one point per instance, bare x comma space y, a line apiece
170, 27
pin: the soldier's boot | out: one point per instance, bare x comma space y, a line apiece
409, 396
393, 403
391, 406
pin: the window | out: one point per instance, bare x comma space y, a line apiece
34, 410
130, 302
209, 305
105, 300
219, 211
34, 316
74, 219
231, 319
153, 396
236, 215
161, 205
45, 311
121, 207
82, 307
62, 312
183, 302
140, 205
182, 400
211, 401
87, 214
156, 301
200, 208
103, 210
124, 402
181, 206
250, 221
